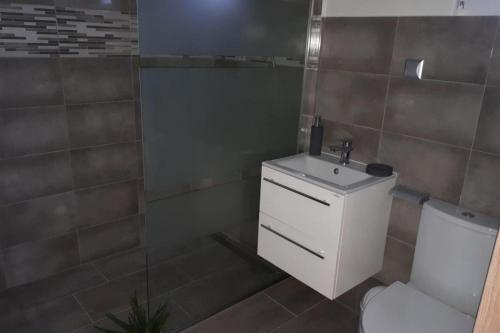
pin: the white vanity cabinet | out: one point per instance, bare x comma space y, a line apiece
329, 240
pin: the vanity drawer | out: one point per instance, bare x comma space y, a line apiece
298, 255
308, 208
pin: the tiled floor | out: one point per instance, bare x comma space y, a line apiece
290, 307
196, 280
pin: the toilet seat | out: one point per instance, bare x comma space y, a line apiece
400, 308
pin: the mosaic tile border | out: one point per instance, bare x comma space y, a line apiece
32, 30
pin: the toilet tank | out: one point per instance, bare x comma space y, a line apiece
452, 256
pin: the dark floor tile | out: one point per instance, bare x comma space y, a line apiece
105, 203
114, 296
365, 140
404, 221
489, 122
481, 190
208, 260
135, 260
101, 123
106, 164
30, 82
494, 72
353, 98
255, 314
352, 298
207, 296
109, 238
59, 316
358, 44
32, 261
439, 111
114, 5
454, 48
51, 288
3, 283
421, 165
32, 130
398, 261
88, 80
294, 295
328, 316
31, 177
36, 219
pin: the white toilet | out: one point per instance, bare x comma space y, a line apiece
451, 260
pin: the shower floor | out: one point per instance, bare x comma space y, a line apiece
196, 280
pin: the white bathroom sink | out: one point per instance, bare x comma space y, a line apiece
325, 171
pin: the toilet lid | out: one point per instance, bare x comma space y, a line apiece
403, 309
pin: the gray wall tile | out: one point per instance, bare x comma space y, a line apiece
109, 238
88, 80
398, 260
30, 82
36, 219
445, 112
106, 203
352, 98
30, 177
309, 91
454, 48
426, 166
482, 185
358, 44
101, 123
32, 130
365, 140
487, 135
119, 5
106, 164
494, 72
32, 261
404, 221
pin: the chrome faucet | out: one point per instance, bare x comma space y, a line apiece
345, 149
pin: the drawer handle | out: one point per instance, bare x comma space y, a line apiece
318, 254
297, 192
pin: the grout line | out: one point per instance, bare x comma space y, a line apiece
84, 310
99, 271
279, 304
306, 310
401, 241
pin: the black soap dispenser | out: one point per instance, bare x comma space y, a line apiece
316, 141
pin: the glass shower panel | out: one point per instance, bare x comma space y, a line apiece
223, 27
206, 133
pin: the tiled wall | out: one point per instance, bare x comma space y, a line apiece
70, 159
440, 134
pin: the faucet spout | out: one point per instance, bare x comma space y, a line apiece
345, 149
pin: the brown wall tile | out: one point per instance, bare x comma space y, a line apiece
481, 190
101, 123
365, 140
32, 261
445, 112
309, 91
30, 82
109, 238
487, 135
36, 219
454, 48
106, 164
32, 130
358, 44
404, 221
425, 166
398, 260
31, 177
105, 204
352, 98
88, 80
